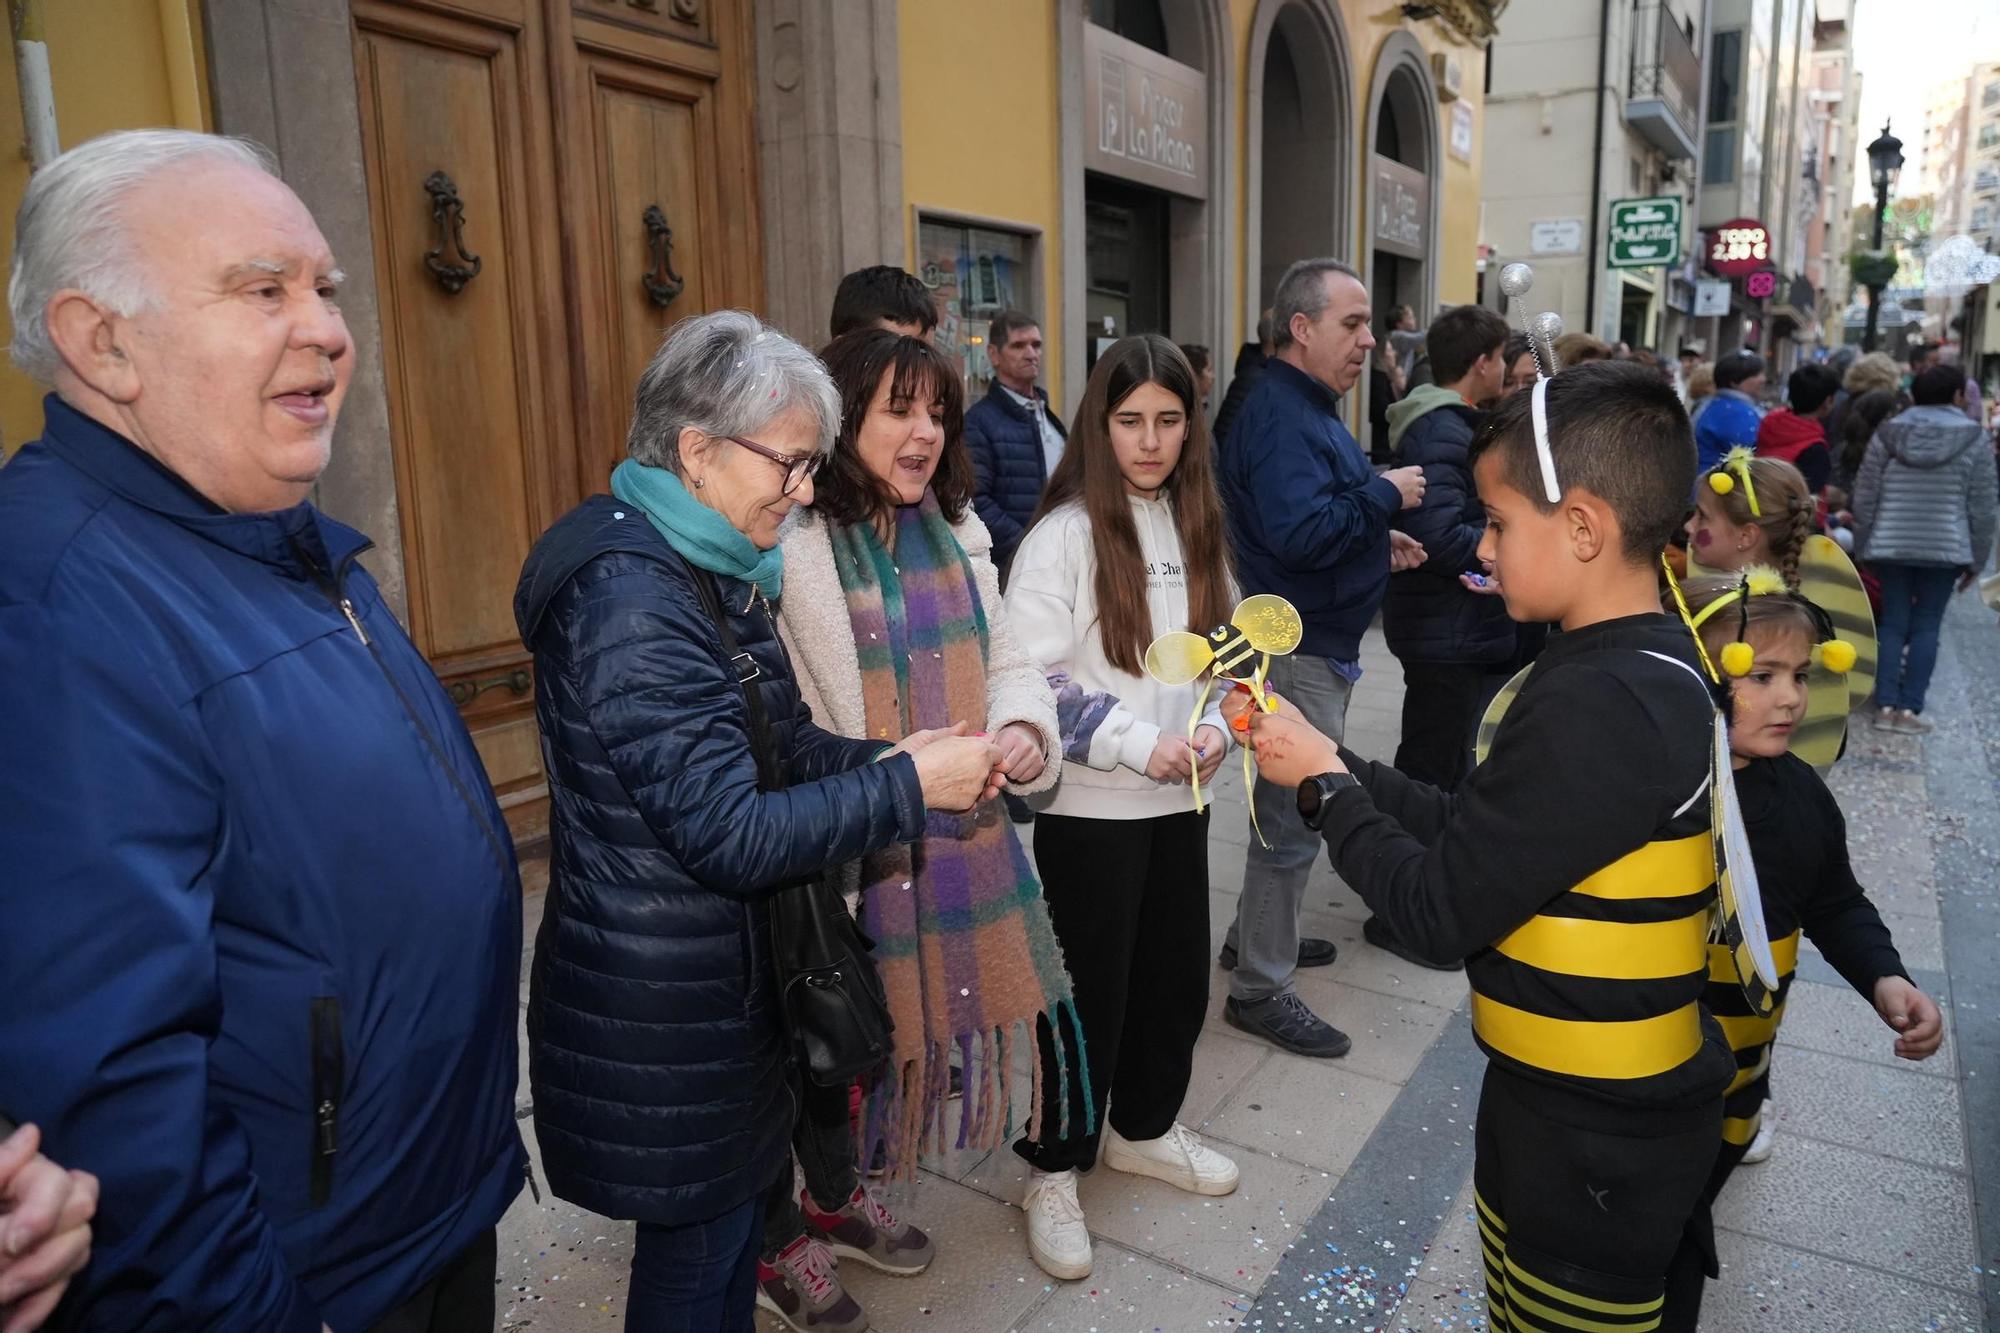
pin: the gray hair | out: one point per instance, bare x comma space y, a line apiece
71, 231
726, 374
1302, 291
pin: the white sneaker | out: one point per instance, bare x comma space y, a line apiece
1178, 1157
1760, 1146
1058, 1241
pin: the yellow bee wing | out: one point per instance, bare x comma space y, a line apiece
1271, 623
1489, 723
1178, 657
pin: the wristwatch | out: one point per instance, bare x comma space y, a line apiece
1316, 791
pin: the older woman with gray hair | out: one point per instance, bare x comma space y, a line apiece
663, 1086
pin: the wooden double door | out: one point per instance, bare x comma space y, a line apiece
552, 183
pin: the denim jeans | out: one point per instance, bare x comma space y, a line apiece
697, 1278
823, 1141
1266, 933
1914, 598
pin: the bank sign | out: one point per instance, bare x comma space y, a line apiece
1148, 115
1646, 233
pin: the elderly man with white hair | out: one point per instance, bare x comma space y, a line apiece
260, 918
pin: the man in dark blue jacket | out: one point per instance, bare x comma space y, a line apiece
262, 920
1013, 435
1310, 522
1454, 641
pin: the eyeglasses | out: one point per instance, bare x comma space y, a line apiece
797, 467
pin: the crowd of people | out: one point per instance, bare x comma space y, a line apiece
264, 980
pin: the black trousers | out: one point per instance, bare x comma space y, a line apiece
1695, 1261
823, 1140
1442, 703
458, 1300
1129, 900
1582, 1206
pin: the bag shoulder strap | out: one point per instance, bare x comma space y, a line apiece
770, 773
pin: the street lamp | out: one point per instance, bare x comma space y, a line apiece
1885, 158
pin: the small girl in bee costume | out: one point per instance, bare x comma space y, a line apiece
1766, 640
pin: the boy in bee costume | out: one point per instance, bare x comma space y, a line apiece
1574, 870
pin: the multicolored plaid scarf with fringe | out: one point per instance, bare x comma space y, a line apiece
962, 937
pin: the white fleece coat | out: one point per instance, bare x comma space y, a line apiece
812, 620
1117, 718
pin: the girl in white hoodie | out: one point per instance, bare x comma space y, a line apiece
1129, 543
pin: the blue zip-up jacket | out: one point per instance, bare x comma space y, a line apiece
259, 920
1009, 468
1730, 419
1309, 519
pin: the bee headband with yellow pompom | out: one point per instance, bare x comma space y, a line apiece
1735, 467
1738, 658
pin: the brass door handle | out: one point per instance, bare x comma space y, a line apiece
449, 215
661, 282
463, 692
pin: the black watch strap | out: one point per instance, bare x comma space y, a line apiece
1317, 791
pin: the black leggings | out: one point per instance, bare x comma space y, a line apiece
1582, 1207
1129, 901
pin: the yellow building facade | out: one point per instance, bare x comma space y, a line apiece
1352, 82
114, 64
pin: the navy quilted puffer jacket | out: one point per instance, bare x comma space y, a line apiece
662, 1085
1009, 468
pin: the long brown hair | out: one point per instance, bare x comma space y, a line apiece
1089, 471
846, 491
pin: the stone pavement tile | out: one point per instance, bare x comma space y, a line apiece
1362, 964
1836, 1020
1453, 1262
1919, 938
1232, 1240
982, 1277
1127, 1292
1430, 1308
1893, 862
1311, 1111
1893, 1215
1766, 1287
1222, 1062
561, 1269
1390, 1035
1894, 1111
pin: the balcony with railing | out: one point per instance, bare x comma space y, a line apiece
1661, 101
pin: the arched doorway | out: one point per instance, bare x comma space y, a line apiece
1300, 129
1402, 181
1144, 247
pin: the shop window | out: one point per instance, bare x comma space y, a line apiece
973, 273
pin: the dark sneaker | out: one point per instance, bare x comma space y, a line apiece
801, 1288
1382, 937
864, 1229
1284, 1021
1312, 953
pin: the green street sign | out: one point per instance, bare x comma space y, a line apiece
1645, 233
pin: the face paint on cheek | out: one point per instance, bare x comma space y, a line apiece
1701, 540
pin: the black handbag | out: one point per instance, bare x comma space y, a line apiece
834, 1008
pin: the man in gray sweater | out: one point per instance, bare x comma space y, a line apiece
1924, 503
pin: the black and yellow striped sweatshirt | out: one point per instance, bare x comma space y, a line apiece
1572, 870
1798, 839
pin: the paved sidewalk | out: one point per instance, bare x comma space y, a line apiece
1353, 1211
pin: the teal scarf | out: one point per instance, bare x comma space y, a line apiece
703, 537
